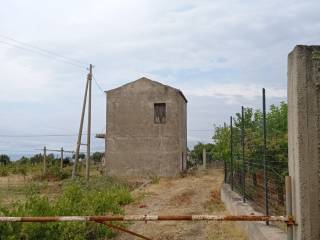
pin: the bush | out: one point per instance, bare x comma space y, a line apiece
4, 172
76, 199
19, 169
54, 173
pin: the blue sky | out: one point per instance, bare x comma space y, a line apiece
219, 53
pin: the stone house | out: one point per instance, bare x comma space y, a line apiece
146, 132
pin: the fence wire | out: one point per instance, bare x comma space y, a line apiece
254, 169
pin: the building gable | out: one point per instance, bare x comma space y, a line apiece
146, 82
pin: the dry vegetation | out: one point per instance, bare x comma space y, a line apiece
196, 193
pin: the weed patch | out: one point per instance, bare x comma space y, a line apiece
77, 198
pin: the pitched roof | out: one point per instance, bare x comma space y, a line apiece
152, 81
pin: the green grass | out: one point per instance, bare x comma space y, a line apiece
102, 196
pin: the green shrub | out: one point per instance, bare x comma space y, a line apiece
54, 173
19, 169
77, 199
4, 171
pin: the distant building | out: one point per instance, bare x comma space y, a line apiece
146, 130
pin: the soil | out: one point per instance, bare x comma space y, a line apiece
196, 193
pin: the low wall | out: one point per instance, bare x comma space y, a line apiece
254, 230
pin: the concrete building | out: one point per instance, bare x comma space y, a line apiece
146, 131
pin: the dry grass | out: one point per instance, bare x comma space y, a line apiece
214, 205
183, 198
196, 193
225, 231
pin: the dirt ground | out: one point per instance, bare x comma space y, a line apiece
196, 193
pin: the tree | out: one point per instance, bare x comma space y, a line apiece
277, 144
97, 156
4, 159
37, 158
23, 160
81, 156
197, 151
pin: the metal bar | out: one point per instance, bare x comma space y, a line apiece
231, 152
56, 150
146, 218
125, 230
225, 171
243, 162
225, 160
289, 206
265, 175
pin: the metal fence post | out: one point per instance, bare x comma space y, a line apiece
266, 188
225, 171
243, 161
225, 160
231, 152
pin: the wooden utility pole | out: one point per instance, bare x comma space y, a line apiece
76, 160
61, 160
89, 125
44, 160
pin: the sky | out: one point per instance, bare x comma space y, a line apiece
219, 53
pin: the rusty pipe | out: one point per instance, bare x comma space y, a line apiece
146, 218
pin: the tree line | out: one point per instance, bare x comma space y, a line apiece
38, 158
277, 139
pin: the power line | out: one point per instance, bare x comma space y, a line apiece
42, 49
39, 135
98, 85
46, 53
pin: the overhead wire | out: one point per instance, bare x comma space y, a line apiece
41, 51
40, 135
97, 84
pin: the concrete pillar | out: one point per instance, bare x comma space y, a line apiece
304, 139
204, 158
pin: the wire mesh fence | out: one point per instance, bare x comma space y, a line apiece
258, 157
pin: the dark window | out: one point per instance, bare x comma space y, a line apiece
159, 113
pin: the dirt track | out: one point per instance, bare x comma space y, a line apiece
194, 194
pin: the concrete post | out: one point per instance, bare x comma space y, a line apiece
204, 158
61, 159
304, 139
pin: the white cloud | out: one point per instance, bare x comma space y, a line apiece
181, 43
233, 91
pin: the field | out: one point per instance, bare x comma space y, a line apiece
195, 193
